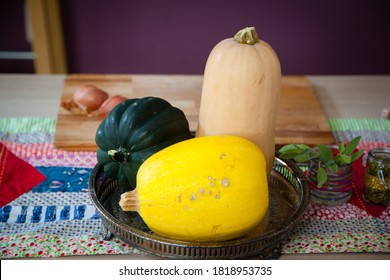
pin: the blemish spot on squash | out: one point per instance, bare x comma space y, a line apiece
215, 228
193, 196
179, 199
222, 156
201, 191
225, 182
217, 196
261, 79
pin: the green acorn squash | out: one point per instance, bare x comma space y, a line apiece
133, 131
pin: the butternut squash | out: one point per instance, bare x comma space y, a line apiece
210, 188
241, 91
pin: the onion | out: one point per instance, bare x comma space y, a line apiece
89, 98
107, 106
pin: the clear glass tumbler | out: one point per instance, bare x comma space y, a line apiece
336, 190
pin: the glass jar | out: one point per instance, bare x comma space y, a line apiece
336, 190
377, 176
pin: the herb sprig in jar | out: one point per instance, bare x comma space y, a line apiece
324, 155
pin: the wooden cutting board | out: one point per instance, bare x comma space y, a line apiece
300, 116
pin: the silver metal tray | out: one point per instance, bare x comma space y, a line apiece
289, 197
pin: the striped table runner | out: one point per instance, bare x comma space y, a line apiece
57, 218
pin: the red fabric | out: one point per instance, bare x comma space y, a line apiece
16, 176
357, 198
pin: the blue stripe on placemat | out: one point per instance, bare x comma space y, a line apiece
65, 213
52, 198
50, 214
36, 214
45, 214
21, 218
61, 228
63, 179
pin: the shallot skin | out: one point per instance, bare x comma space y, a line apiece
107, 106
93, 101
89, 98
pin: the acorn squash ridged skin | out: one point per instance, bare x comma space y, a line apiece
133, 131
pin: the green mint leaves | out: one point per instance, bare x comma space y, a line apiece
326, 157
321, 176
297, 152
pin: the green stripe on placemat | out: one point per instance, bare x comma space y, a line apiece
33, 124
28, 124
359, 124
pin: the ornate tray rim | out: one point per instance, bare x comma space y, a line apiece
162, 246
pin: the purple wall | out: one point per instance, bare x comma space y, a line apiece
176, 36
13, 36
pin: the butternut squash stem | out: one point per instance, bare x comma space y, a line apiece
247, 36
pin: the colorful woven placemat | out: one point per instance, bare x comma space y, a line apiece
57, 218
